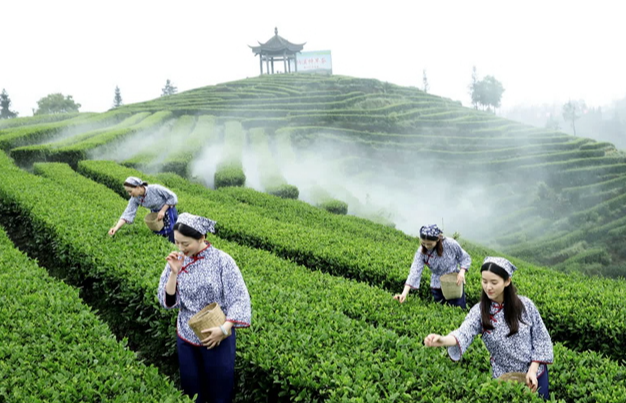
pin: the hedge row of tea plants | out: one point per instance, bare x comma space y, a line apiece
168, 139
578, 316
301, 346
270, 176
27, 155
55, 348
229, 171
19, 136
205, 133
34, 120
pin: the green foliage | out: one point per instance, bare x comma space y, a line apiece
314, 337
169, 89
486, 92
56, 103
572, 111
334, 206
229, 175
117, 99
284, 191
576, 310
52, 342
5, 104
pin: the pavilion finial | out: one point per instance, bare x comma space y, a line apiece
275, 30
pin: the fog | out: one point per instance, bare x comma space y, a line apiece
388, 185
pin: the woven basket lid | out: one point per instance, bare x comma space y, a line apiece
513, 377
449, 288
151, 221
210, 316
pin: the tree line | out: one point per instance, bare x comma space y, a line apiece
58, 103
486, 94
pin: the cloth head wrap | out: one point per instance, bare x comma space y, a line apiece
430, 231
200, 224
135, 181
502, 262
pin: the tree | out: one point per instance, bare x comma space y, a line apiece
5, 104
474, 88
572, 111
117, 100
492, 90
169, 89
486, 92
56, 103
425, 81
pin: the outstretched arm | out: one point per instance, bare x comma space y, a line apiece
436, 340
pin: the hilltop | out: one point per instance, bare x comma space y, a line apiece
393, 154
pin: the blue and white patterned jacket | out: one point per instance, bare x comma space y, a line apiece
155, 198
210, 276
531, 343
452, 257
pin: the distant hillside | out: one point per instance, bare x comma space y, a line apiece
392, 154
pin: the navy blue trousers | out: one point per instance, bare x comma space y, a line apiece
169, 219
438, 296
542, 382
210, 374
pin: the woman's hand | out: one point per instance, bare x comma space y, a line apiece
175, 259
460, 277
433, 340
215, 337
531, 376
531, 380
160, 215
400, 297
112, 231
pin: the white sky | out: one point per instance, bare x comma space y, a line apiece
542, 51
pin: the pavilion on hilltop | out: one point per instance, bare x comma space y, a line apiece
277, 49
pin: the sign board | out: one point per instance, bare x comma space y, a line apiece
314, 62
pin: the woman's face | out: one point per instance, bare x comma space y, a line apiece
494, 285
427, 243
134, 191
189, 246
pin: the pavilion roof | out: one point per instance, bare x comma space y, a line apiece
277, 45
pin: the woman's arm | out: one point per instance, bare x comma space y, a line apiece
415, 276
162, 211
436, 340
117, 226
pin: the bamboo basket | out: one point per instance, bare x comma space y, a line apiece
151, 221
449, 288
513, 377
210, 316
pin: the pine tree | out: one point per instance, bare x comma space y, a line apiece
425, 81
169, 89
5, 104
117, 100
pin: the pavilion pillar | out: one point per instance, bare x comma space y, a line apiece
261, 63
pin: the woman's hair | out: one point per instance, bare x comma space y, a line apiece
186, 230
130, 185
438, 247
513, 306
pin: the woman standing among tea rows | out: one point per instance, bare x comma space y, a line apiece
191, 280
156, 198
443, 256
511, 328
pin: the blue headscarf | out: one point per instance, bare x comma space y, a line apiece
430, 231
200, 224
501, 262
